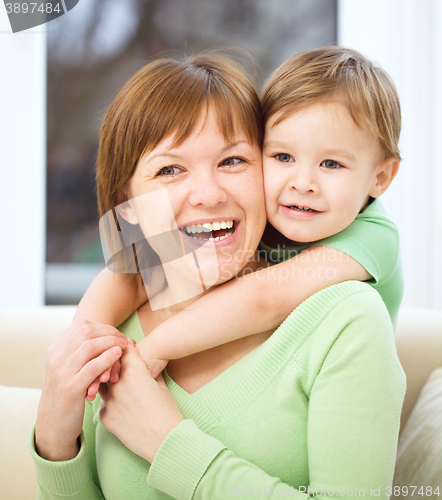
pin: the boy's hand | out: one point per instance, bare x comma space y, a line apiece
155, 366
153, 363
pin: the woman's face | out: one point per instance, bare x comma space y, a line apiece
215, 190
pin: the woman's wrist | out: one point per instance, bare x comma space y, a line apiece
156, 444
53, 440
56, 451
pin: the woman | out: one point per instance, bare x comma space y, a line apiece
271, 414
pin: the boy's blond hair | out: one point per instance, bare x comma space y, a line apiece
337, 74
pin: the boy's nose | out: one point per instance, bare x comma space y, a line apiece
303, 179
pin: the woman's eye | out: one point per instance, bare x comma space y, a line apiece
284, 157
232, 161
330, 164
169, 170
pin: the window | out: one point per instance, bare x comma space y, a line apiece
94, 49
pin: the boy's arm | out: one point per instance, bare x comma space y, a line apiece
111, 298
251, 304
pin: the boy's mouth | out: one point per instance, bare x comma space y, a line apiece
301, 209
210, 231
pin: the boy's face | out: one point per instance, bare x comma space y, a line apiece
318, 159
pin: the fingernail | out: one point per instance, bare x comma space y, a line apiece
116, 350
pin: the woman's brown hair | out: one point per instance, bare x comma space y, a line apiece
166, 97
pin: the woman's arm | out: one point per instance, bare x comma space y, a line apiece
80, 354
74, 479
355, 392
251, 304
73, 361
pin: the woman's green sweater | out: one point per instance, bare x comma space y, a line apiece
313, 411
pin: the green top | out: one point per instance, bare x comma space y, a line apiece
372, 239
317, 405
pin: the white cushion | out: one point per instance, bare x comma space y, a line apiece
18, 411
419, 459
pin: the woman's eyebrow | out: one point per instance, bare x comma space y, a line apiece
179, 157
165, 155
230, 146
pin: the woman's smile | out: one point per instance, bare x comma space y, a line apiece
210, 231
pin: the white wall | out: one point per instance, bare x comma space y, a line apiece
22, 164
405, 37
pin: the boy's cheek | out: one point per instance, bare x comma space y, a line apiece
271, 187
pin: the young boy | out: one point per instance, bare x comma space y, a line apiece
330, 150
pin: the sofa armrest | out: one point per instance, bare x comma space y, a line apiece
419, 347
25, 335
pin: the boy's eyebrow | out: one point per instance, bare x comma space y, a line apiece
274, 144
340, 152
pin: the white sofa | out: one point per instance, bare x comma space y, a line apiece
25, 334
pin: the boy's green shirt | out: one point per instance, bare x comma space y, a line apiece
372, 239
315, 406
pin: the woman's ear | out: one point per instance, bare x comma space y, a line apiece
385, 174
125, 208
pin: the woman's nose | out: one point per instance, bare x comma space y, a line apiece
303, 179
207, 190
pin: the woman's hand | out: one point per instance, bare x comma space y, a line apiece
139, 410
112, 374
154, 364
73, 362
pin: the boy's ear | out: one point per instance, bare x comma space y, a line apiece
386, 172
125, 208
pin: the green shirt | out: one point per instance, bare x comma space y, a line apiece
317, 405
372, 239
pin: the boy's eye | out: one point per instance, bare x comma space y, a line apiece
170, 170
234, 160
284, 157
330, 164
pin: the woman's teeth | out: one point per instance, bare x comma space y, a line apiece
209, 227
219, 238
